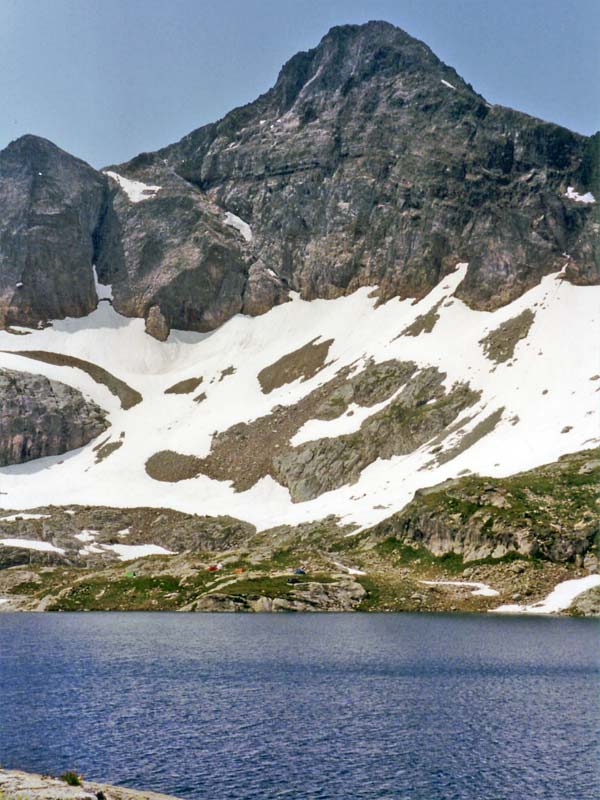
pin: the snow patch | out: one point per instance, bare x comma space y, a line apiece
236, 222
128, 552
349, 570
449, 85
103, 290
86, 536
481, 589
361, 330
91, 549
588, 197
136, 191
31, 544
15, 517
559, 599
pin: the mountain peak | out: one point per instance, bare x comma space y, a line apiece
351, 54
38, 153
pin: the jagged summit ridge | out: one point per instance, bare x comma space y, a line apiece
350, 54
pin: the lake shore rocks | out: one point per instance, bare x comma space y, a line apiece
17, 785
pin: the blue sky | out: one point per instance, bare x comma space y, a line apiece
106, 79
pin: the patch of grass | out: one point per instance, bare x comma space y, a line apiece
72, 778
26, 587
141, 593
373, 597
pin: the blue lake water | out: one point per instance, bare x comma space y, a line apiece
398, 706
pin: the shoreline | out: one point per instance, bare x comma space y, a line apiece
20, 785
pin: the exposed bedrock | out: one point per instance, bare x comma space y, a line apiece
369, 162
362, 166
52, 206
550, 512
419, 409
40, 417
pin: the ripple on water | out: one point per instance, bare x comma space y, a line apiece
413, 707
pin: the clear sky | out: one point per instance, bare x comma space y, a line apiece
106, 79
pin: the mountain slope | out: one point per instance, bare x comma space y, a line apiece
363, 285
445, 403
372, 162
369, 163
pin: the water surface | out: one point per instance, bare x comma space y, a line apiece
334, 707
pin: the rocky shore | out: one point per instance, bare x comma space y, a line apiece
17, 785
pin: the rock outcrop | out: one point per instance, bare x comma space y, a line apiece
28, 786
52, 208
343, 594
372, 162
40, 417
369, 162
548, 513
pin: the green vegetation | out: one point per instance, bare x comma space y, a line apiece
550, 512
398, 552
277, 586
558, 493
72, 778
143, 593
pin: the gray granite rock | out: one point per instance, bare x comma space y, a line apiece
369, 162
40, 417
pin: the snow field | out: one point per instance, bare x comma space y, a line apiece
553, 357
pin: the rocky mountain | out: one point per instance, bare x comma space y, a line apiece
51, 207
369, 163
372, 299
41, 417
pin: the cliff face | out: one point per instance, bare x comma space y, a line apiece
547, 513
369, 162
51, 207
40, 417
372, 162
